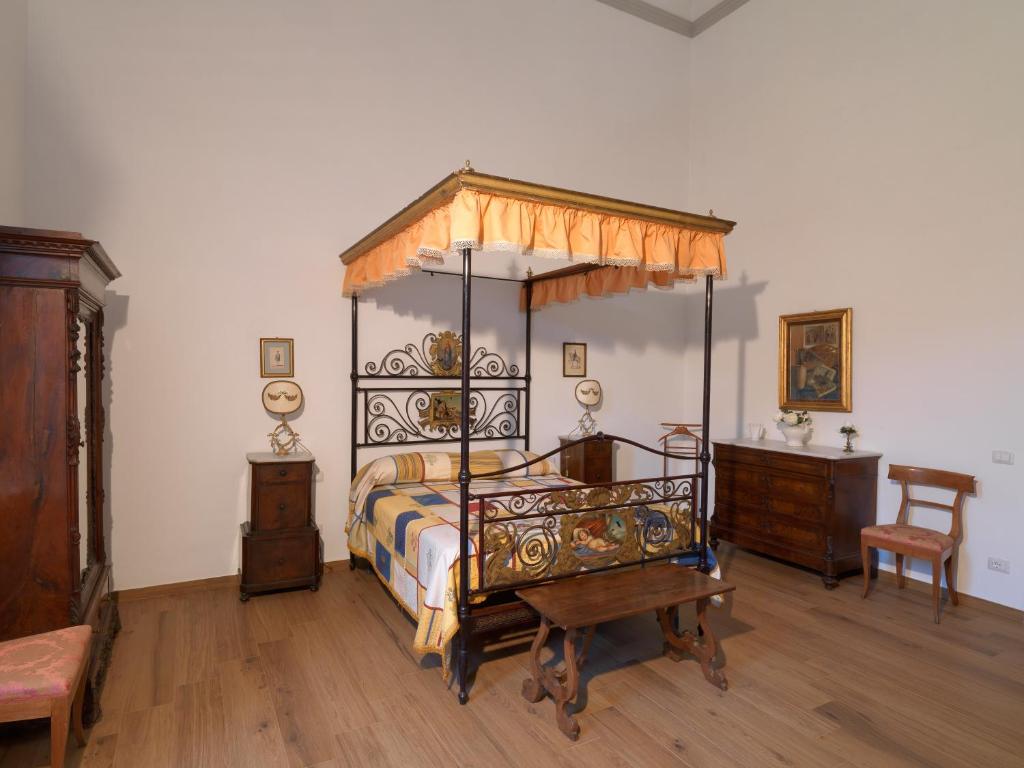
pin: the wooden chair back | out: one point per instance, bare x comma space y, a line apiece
937, 478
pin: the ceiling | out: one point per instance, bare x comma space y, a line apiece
685, 17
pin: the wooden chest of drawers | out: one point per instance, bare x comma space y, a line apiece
281, 545
803, 505
588, 462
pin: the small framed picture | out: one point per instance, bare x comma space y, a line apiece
277, 358
574, 359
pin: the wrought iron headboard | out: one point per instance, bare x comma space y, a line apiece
412, 394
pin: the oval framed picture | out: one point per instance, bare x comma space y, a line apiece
282, 397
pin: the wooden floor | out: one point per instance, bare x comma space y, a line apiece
327, 679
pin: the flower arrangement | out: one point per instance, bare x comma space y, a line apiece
793, 418
795, 425
848, 431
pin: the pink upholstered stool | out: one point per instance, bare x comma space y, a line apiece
39, 677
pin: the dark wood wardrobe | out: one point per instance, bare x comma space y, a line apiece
54, 521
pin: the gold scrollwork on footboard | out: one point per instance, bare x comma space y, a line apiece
536, 536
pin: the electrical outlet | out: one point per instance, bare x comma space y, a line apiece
995, 564
1002, 457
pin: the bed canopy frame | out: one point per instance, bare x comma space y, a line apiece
615, 246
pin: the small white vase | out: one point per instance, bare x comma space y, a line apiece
796, 435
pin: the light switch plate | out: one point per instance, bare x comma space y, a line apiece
996, 564
1002, 457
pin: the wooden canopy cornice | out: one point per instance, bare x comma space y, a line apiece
445, 191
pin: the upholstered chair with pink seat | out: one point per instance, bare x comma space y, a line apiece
44, 676
907, 540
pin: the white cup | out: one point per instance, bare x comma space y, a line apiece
755, 431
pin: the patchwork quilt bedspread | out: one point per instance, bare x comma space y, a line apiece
404, 519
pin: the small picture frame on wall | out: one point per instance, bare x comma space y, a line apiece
574, 359
815, 361
277, 358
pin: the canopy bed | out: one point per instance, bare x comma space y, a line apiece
452, 536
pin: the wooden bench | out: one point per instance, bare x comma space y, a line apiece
579, 605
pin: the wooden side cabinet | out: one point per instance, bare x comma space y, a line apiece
802, 505
281, 546
587, 462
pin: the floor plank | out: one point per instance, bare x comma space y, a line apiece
817, 678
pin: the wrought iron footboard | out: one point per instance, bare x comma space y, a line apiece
536, 535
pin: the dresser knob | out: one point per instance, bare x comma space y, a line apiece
283, 472
280, 507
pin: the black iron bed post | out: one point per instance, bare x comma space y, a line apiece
354, 376
529, 331
705, 453
464, 478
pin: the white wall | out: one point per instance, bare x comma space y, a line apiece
225, 152
872, 155
13, 29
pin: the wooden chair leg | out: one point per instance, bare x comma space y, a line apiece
60, 712
900, 582
936, 586
865, 559
951, 580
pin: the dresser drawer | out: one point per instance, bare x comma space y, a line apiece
733, 493
756, 458
285, 472
740, 476
598, 473
802, 510
739, 517
802, 465
281, 505
796, 487
272, 559
794, 534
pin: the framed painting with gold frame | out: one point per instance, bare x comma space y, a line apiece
815, 361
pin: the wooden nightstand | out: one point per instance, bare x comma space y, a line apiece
588, 462
281, 545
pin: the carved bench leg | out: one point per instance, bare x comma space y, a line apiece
677, 644
533, 687
561, 685
565, 693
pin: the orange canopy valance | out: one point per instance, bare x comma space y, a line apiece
596, 283
652, 245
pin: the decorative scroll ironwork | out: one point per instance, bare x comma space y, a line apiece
394, 416
571, 498
534, 536
440, 355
